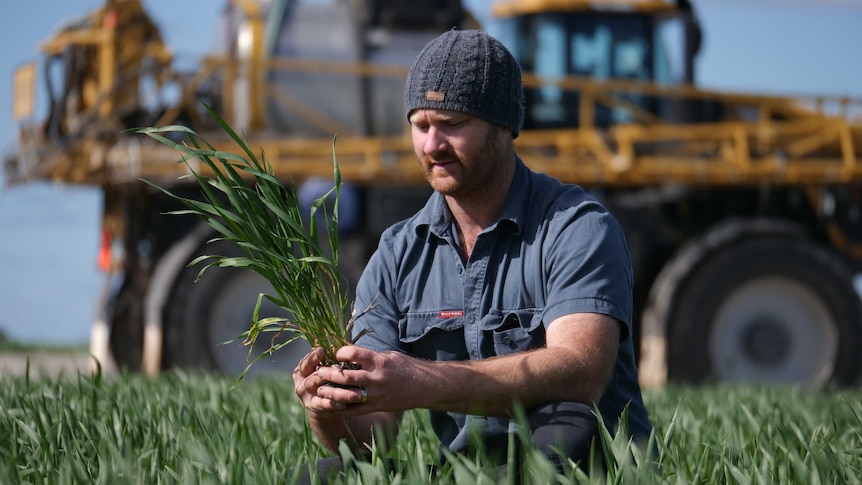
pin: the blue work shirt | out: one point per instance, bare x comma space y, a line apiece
554, 251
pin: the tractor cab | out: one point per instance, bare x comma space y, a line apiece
567, 47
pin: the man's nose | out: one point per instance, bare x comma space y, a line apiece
435, 141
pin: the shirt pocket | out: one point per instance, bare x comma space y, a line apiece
432, 336
518, 330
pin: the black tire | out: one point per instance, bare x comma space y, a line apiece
201, 318
772, 309
126, 315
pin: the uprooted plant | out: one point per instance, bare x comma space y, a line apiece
244, 202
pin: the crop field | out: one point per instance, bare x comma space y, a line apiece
190, 428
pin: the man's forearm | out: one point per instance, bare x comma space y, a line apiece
492, 387
575, 366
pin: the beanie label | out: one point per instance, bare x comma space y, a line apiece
435, 96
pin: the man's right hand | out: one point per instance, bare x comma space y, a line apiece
327, 417
307, 381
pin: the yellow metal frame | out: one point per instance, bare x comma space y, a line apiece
788, 141
515, 8
806, 146
24, 92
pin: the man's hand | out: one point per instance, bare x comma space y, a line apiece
308, 381
382, 382
336, 412
325, 389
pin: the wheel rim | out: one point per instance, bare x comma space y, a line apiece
230, 317
773, 330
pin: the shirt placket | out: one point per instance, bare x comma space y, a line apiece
473, 278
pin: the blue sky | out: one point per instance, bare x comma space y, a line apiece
782, 46
49, 234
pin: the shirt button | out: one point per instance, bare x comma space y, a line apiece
460, 269
471, 319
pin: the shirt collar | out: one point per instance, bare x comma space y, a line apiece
520, 194
437, 217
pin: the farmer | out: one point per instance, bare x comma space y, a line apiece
508, 290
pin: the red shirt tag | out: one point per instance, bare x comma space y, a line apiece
451, 313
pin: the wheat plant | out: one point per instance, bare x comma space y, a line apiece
246, 203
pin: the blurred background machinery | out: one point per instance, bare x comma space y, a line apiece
741, 212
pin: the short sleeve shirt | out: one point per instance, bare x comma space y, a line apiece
555, 250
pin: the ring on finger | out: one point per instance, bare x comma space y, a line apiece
364, 394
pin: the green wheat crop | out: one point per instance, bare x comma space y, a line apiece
193, 428
246, 203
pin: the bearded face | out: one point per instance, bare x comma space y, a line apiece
459, 154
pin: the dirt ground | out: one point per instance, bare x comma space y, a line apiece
45, 363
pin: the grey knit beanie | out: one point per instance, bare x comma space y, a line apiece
471, 72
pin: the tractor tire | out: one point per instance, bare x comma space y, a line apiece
126, 315
203, 320
764, 309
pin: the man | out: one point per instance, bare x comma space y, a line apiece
507, 289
